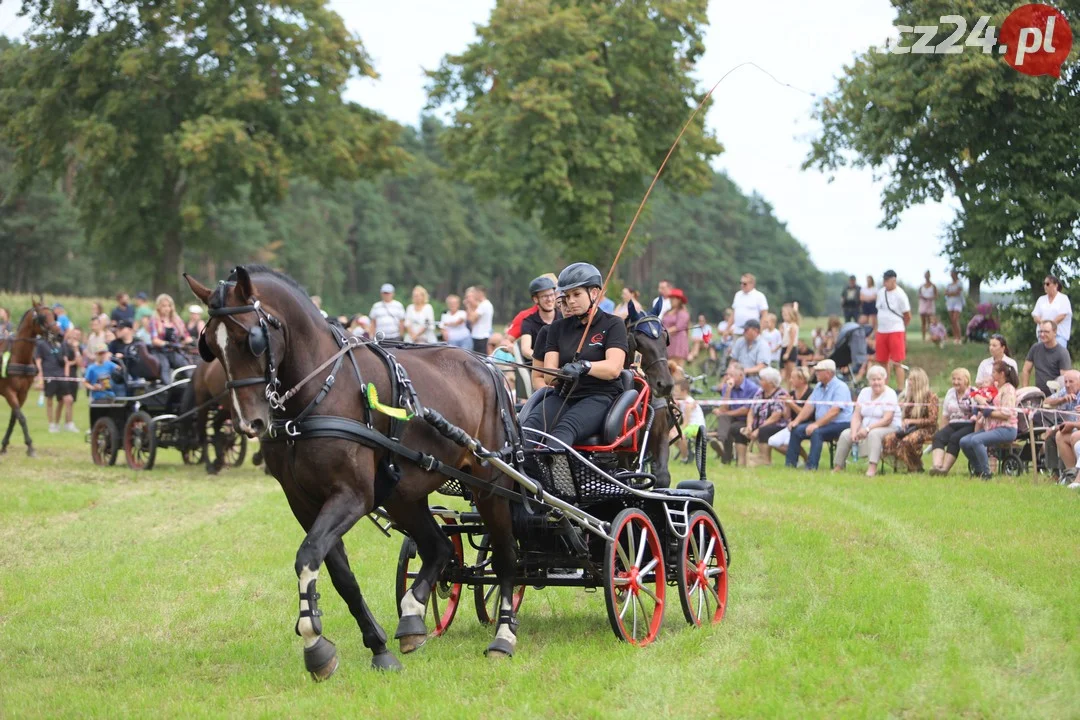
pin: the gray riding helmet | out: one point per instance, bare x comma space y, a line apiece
540, 284
579, 274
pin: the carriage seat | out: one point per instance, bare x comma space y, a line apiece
616, 414
700, 489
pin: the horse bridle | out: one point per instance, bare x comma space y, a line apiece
39, 320
258, 341
635, 327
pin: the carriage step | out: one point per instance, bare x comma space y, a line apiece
700, 489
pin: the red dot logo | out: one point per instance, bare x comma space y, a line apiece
1036, 39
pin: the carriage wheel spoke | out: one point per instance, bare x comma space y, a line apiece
626, 605
622, 556
709, 551
648, 568
700, 600
695, 545
714, 572
435, 610
642, 546
634, 599
650, 593
632, 549
644, 616
621, 581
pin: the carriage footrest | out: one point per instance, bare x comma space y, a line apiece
700, 489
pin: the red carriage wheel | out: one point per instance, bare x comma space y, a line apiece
104, 442
488, 598
445, 593
634, 580
702, 571
140, 441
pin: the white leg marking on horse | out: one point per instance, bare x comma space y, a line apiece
411, 606
307, 628
222, 337
504, 632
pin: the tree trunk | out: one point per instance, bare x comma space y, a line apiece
975, 288
167, 274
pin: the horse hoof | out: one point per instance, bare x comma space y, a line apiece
411, 643
211, 470
30, 452
321, 659
256, 459
499, 649
385, 661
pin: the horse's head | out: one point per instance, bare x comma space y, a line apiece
645, 334
40, 321
247, 337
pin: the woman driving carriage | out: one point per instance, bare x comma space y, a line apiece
590, 377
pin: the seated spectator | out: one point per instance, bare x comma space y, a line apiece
129, 353
804, 354
98, 378
799, 382
875, 418
700, 337
770, 415
693, 419
918, 424
1067, 440
1048, 358
999, 352
830, 406
1060, 409
731, 416
956, 423
995, 423
499, 349
750, 351
360, 327
5, 323
142, 330
937, 331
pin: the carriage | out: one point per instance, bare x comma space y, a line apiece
590, 516
151, 416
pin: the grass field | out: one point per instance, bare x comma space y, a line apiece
172, 594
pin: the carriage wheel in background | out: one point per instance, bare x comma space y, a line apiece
488, 598
634, 580
195, 455
104, 442
702, 571
140, 441
445, 596
233, 445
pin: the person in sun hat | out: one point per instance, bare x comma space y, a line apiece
830, 404
388, 314
195, 323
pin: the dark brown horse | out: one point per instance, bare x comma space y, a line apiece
18, 376
646, 335
270, 337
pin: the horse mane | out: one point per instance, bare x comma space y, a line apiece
217, 298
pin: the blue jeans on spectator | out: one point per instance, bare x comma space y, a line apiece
465, 343
974, 446
824, 433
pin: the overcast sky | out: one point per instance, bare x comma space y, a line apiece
765, 128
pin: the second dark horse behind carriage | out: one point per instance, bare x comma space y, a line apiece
352, 428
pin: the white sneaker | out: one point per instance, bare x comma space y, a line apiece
70, 427
54, 428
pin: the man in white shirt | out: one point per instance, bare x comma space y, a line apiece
661, 303
1054, 305
749, 303
388, 315
481, 313
894, 314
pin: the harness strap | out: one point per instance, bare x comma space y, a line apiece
325, 426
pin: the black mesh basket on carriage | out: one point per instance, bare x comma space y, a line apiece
565, 476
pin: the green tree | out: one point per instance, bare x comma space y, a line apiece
569, 106
1006, 145
160, 109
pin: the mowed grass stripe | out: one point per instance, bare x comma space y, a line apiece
171, 593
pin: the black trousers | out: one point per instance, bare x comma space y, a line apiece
572, 423
948, 437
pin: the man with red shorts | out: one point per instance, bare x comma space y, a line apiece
894, 314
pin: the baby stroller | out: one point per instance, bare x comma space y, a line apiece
850, 352
1014, 459
982, 324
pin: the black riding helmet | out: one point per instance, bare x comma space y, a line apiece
579, 274
541, 284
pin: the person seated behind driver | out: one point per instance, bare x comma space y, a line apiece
126, 350
590, 381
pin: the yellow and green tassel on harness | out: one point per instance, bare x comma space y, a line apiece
373, 401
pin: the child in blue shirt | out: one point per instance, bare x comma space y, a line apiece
98, 377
